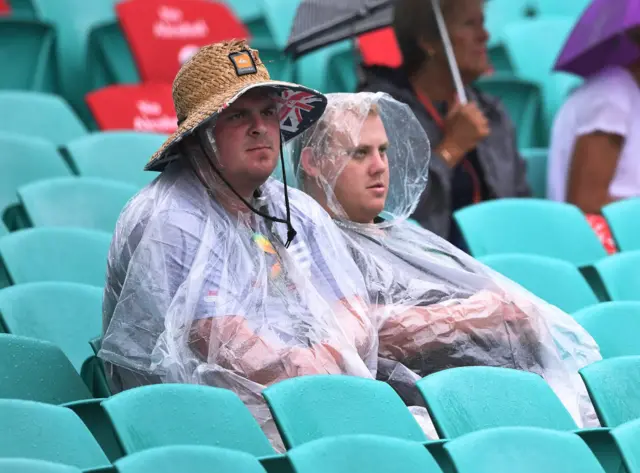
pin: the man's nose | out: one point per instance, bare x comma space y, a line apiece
378, 163
258, 124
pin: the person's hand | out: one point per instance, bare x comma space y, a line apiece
464, 127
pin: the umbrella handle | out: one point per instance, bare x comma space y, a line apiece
448, 49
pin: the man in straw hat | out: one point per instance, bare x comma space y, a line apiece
218, 274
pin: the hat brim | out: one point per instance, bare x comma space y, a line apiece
300, 107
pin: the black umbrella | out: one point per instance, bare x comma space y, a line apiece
319, 23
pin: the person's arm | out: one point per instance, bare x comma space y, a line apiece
408, 331
593, 166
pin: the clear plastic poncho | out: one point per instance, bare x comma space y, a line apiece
435, 306
202, 293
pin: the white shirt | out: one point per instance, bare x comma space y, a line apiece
607, 102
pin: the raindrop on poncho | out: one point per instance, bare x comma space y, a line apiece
435, 307
198, 293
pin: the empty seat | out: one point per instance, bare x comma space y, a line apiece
536, 159
307, 408
522, 100
627, 437
120, 156
521, 449
530, 226
553, 280
321, 69
614, 326
45, 432
63, 313
55, 254
22, 465
39, 115
145, 107
362, 454
25, 159
572, 8
613, 388
463, 400
163, 34
189, 458
29, 47
624, 219
620, 274
498, 15
81, 202
200, 415
34, 370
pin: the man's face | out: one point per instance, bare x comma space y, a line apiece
247, 136
362, 186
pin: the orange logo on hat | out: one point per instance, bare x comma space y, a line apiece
243, 62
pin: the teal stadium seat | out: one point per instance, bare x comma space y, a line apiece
55, 254
558, 282
499, 14
530, 226
44, 432
25, 159
80, 202
39, 115
63, 313
525, 450
308, 408
549, 8
620, 274
120, 156
22, 465
624, 220
522, 100
627, 437
191, 459
330, 69
536, 159
362, 454
613, 388
200, 415
614, 326
27, 50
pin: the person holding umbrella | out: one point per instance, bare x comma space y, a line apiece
595, 142
475, 154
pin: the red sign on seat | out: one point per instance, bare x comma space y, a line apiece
380, 48
5, 8
163, 34
146, 107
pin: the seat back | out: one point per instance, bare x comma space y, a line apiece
620, 275
189, 458
81, 202
626, 437
624, 219
531, 226
307, 408
550, 8
614, 326
35, 370
25, 159
22, 465
362, 453
522, 100
553, 280
536, 159
526, 450
120, 156
314, 69
65, 314
463, 400
145, 107
32, 114
56, 254
45, 432
29, 46
613, 388
200, 415
163, 34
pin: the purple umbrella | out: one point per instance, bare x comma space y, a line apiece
599, 39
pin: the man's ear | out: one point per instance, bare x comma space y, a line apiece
307, 163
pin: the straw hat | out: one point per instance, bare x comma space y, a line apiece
219, 74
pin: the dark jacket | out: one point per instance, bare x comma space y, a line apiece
503, 169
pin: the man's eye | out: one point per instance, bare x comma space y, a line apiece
235, 116
269, 112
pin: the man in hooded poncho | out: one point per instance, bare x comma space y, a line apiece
366, 162
218, 274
